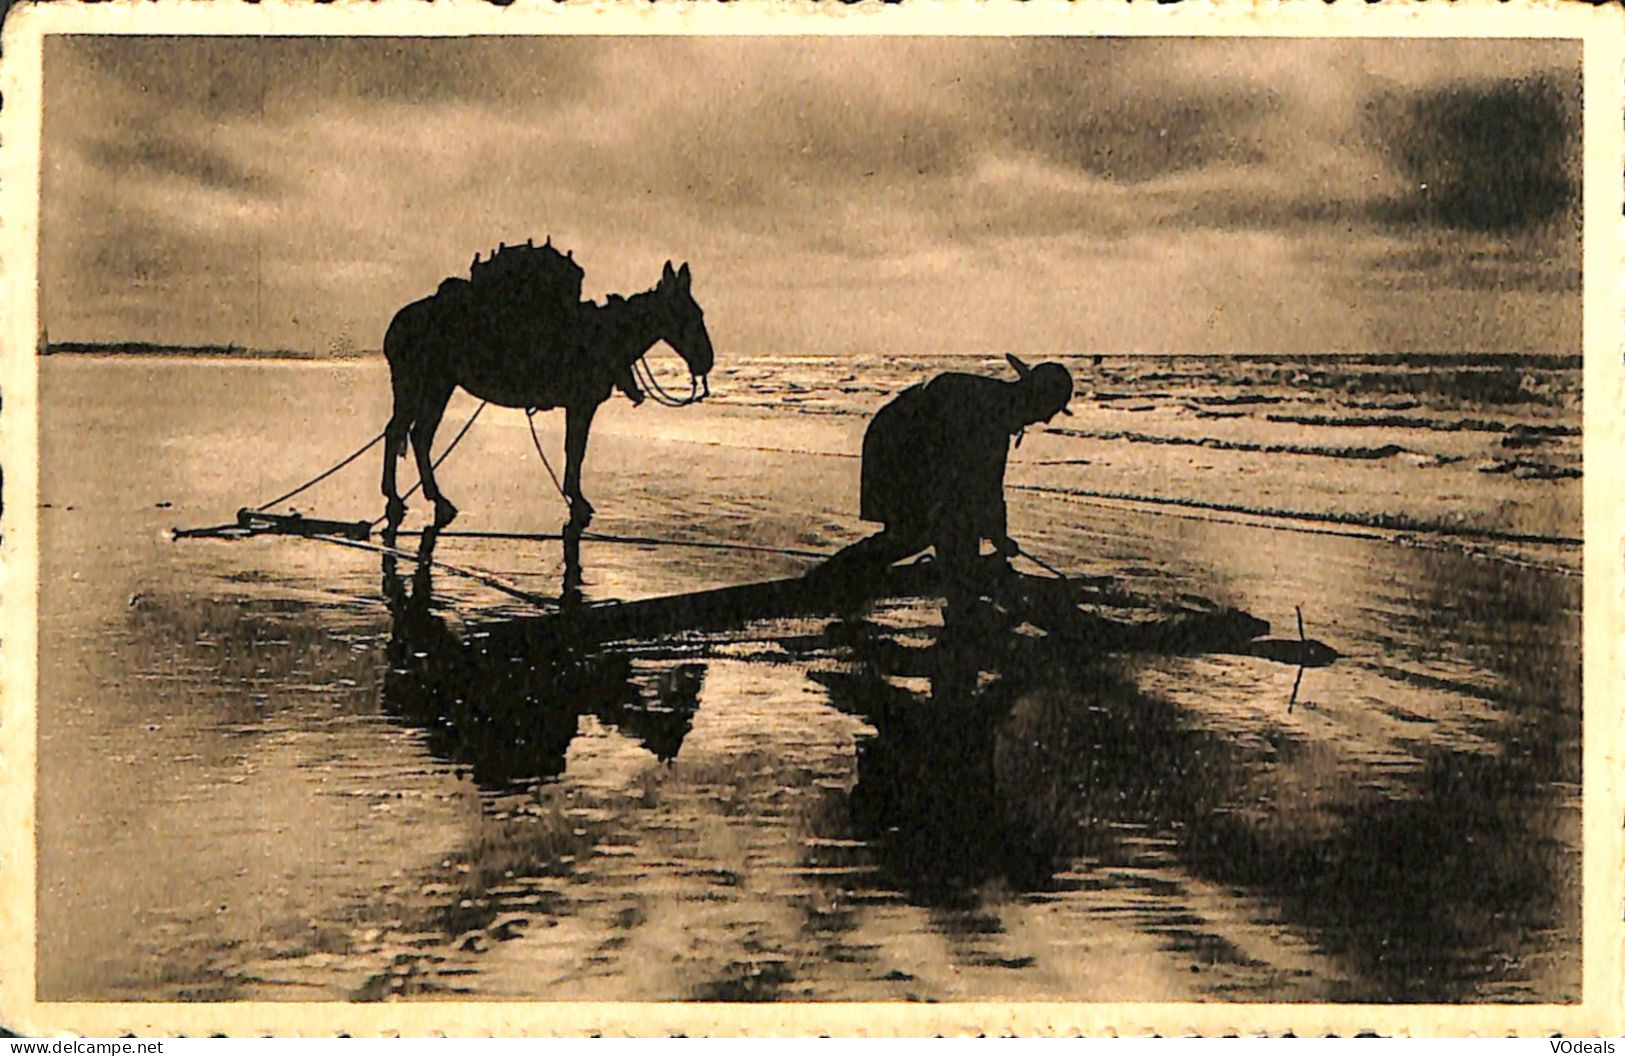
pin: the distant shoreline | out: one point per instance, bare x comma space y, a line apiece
149, 348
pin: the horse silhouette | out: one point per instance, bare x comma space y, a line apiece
526, 346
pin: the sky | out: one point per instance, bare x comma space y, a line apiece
833, 195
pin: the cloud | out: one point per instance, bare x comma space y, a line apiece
337, 179
182, 156
277, 77
1486, 157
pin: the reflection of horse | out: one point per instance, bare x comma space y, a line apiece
515, 353
506, 699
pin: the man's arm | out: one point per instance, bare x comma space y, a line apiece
992, 447
1000, 537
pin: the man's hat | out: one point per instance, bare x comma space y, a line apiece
1051, 383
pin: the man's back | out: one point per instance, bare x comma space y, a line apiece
937, 451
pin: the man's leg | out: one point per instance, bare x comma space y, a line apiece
957, 547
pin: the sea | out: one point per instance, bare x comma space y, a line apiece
264, 776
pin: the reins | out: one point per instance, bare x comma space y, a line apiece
646, 377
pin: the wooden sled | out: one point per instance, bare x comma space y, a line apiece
1051, 605
253, 522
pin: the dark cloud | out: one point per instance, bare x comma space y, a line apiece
1143, 140
1485, 157
825, 118
185, 156
281, 77
1490, 264
215, 76
1108, 120
522, 72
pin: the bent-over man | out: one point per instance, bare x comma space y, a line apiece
933, 468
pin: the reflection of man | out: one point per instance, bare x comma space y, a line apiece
934, 789
933, 466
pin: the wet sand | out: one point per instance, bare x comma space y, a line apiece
259, 782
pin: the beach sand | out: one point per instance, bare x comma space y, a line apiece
254, 783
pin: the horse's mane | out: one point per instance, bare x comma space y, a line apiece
616, 303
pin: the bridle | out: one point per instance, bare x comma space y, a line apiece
699, 385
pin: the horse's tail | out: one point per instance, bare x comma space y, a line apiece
403, 339
407, 348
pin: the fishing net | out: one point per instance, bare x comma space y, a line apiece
529, 273
527, 296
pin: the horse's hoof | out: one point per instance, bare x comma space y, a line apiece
444, 513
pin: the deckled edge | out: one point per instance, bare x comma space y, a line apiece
20, 117
1604, 854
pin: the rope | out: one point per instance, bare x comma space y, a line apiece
436, 463
648, 380
1379, 524
645, 377
1283, 522
530, 417
1041, 563
368, 446
484, 578
631, 540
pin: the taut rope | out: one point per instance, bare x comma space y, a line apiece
357, 453
474, 574
368, 446
629, 540
443, 455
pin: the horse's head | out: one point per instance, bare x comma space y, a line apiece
682, 322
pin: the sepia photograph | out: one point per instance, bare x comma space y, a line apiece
809, 517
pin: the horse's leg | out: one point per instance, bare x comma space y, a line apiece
431, 408
404, 348
577, 424
400, 422
571, 593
